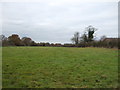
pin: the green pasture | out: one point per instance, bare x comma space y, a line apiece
59, 67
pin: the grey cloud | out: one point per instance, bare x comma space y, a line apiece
56, 21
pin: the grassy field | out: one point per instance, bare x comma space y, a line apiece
59, 67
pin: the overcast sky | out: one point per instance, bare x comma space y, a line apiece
56, 21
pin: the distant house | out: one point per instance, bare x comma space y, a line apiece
111, 42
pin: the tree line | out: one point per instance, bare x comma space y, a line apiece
87, 39
14, 40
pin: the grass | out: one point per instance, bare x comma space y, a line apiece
59, 67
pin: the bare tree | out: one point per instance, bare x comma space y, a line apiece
76, 38
3, 40
84, 38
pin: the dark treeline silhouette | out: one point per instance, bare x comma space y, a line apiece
86, 40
